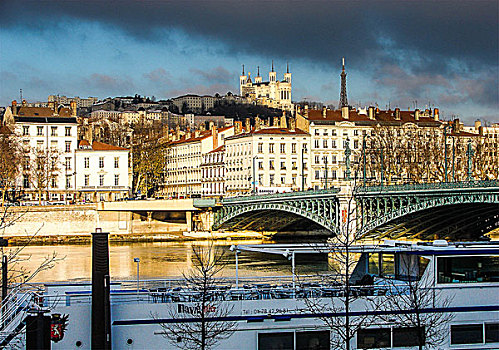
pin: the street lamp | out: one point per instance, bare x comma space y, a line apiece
325, 171
303, 149
254, 175
445, 151
137, 260
234, 249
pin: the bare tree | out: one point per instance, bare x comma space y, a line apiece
42, 167
411, 305
347, 295
18, 274
10, 156
206, 305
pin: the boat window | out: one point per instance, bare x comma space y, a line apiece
317, 340
410, 266
374, 264
407, 336
466, 334
373, 338
468, 269
274, 341
492, 332
387, 265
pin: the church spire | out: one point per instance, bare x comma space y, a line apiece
272, 65
343, 94
243, 70
287, 67
258, 67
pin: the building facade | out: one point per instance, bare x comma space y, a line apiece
267, 160
49, 138
273, 93
103, 172
80, 102
213, 173
183, 176
194, 103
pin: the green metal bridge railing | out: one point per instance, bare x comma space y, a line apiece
429, 186
281, 195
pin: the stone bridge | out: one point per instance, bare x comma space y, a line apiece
457, 210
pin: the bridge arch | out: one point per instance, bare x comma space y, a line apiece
411, 215
280, 215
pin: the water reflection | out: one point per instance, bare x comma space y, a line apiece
162, 259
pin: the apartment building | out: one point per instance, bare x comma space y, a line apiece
183, 176
49, 138
267, 160
103, 172
213, 173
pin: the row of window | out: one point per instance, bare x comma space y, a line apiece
282, 167
102, 180
53, 130
373, 338
54, 144
325, 144
282, 147
86, 162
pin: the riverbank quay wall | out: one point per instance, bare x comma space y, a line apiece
117, 218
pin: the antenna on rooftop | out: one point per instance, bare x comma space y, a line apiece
21, 94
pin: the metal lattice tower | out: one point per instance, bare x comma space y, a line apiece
343, 94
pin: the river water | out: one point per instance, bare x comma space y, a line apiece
160, 259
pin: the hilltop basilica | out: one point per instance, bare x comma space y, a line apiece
273, 93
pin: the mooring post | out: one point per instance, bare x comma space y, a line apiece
101, 308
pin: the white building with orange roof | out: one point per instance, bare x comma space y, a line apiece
267, 160
183, 175
213, 172
103, 172
48, 136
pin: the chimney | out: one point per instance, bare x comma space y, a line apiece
371, 113
284, 124
211, 125
397, 113
416, 114
324, 112
478, 124
436, 114
177, 132
73, 108
214, 134
196, 133
24, 103
52, 105
14, 107
292, 124
247, 125
306, 111
345, 112
238, 126
101, 310
275, 123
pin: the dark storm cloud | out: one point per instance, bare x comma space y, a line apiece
434, 32
217, 74
423, 49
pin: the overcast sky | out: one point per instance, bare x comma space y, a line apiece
442, 53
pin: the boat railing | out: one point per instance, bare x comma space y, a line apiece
15, 306
245, 291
